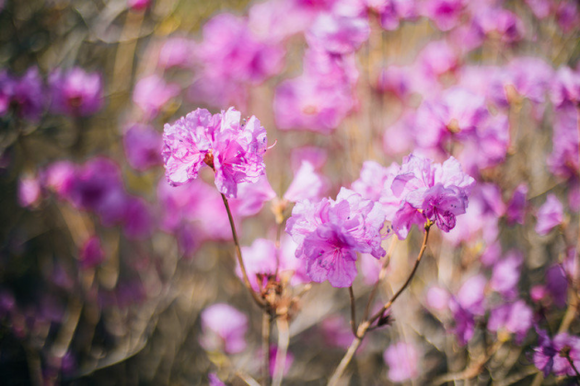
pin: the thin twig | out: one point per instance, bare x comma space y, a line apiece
255, 296
266, 324
283, 342
352, 311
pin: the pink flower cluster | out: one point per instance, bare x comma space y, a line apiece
232, 149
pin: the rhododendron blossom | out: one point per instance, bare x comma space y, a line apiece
330, 233
233, 150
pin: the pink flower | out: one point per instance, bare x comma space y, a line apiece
330, 233
223, 327
143, 147
152, 93
506, 275
339, 32
26, 94
403, 360
566, 87
59, 177
550, 355
307, 184
91, 253
260, 260
234, 151
138, 5
76, 92
28, 191
550, 215
176, 52
420, 190
444, 13
516, 209
515, 318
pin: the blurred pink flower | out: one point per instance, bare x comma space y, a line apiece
223, 328
506, 275
516, 209
91, 253
138, 5
444, 13
152, 93
143, 145
515, 318
75, 92
306, 185
550, 215
402, 359
28, 191
176, 52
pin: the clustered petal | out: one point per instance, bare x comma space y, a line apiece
235, 151
330, 233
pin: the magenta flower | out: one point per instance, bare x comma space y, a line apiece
506, 275
91, 253
152, 93
540, 8
340, 31
330, 233
514, 318
444, 13
176, 52
59, 177
402, 360
260, 260
224, 328
566, 87
234, 151
557, 285
138, 5
551, 354
499, 22
550, 215
420, 190
468, 304
143, 145
27, 95
307, 184
516, 209
29, 191
75, 92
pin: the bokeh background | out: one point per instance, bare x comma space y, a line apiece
105, 270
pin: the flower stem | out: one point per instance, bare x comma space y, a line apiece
266, 324
366, 324
255, 296
381, 277
352, 311
283, 341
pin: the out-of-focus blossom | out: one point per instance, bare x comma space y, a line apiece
138, 5
26, 94
137, 220
176, 52
466, 305
314, 155
152, 93
214, 380
531, 77
143, 145
567, 15
252, 196
516, 209
260, 260
372, 178
396, 80
564, 160
550, 215
336, 331
75, 92
570, 264
444, 13
28, 191
290, 266
330, 233
91, 253
402, 360
551, 355
232, 149
540, 8
224, 328
339, 32
59, 177
515, 318
437, 58
275, 20
438, 298
457, 112
420, 190
399, 138
499, 22
557, 285
566, 87
392, 12
7, 83
506, 275
321, 97
307, 184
